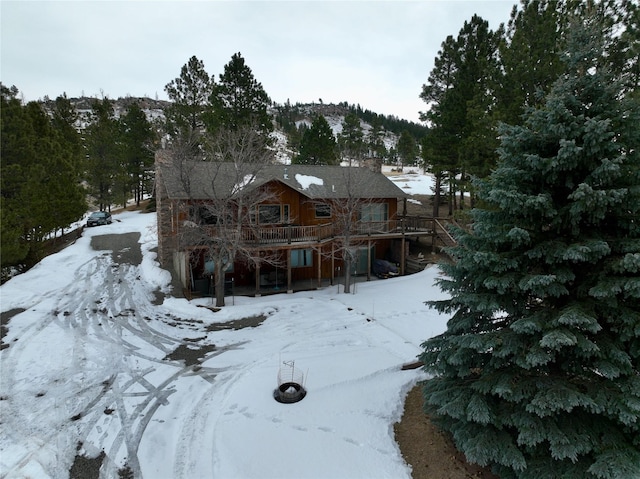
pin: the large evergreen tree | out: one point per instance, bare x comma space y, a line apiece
375, 141
104, 152
238, 99
189, 94
67, 195
538, 373
439, 150
318, 145
407, 149
460, 98
137, 155
40, 182
473, 95
351, 138
529, 56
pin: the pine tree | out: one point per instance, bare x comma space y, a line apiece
189, 94
529, 56
41, 191
375, 141
318, 145
16, 151
459, 95
70, 196
137, 155
239, 100
407, 148
538, 372
103, 152
351, 139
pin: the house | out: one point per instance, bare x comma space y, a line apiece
292, 223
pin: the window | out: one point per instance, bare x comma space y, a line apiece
323, 210
268, 214
374, 212
203, 215
273, 214
301, 258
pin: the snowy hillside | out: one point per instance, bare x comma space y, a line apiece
154, 111
334, 114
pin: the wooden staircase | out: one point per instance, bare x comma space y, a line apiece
441, 236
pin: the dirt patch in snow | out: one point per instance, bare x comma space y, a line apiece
250, 322
190, 354
428, 450
5, 316
84, 467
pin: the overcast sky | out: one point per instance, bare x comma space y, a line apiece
377, 54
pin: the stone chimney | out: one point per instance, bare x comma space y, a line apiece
374, 164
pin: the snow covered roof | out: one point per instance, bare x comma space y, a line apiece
205, 180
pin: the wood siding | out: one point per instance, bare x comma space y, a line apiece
303, 231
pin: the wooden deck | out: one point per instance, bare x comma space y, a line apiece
296, 234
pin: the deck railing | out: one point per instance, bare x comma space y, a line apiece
317, 233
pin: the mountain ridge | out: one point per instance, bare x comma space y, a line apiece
287, 119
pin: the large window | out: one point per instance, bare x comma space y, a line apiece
323, 210
273, 214
203, 215
374, 212
301, 258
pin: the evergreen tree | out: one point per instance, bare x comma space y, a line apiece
40, 182
538, 373
621, 20
407, 149
439, 152
103, 153
137, 155
529, 56
375, 141
67, 194
238, 99
64, 117
318, 145
16, 140
351, 139
189, 94
474, 89
433, 149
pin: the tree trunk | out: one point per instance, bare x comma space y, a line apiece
347, 273
436, 196
452, 197
219, 282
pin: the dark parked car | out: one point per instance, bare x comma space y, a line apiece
99, 218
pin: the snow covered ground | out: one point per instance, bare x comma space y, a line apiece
95, 363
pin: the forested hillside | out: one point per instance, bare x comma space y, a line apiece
289, 121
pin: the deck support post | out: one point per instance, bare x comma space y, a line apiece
257, 294
289, 285
333, 265
319, 267
369, 260
402, 251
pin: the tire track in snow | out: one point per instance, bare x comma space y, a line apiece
202, 419
116, 364
130, 332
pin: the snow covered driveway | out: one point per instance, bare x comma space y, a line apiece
99, 360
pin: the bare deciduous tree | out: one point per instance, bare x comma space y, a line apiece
352, 220
228, 188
